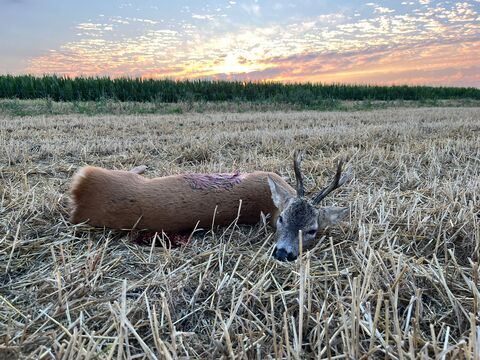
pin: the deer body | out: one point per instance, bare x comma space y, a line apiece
126, 200
178, 203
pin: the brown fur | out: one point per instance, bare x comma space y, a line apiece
124, 200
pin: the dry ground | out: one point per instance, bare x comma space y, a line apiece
398, 280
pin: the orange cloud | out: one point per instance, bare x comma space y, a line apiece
435, 46
427, 64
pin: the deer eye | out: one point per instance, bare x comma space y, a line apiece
312, 232
280, 219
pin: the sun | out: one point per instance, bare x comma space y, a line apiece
232, 64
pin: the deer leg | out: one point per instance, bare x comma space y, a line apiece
139, 169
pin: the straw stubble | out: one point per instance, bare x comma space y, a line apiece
398, 280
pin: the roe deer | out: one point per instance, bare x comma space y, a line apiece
297, 213
177, 203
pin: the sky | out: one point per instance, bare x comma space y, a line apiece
423, 42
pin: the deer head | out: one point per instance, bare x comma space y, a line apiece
298, 213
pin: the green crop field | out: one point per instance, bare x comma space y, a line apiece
170, 91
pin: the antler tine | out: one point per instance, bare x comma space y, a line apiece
337, 181
298, 173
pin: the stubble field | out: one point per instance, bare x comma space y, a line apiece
399, 279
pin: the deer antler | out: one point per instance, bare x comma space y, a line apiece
298, 173
337, 181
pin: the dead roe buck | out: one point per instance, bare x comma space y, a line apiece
177, 203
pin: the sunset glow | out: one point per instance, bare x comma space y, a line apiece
382, 42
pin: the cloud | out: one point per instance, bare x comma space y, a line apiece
439, 40
95, 27
380, 9
424, 64
252, 9
202, 17
383, 10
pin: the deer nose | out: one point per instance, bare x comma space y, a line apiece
283, 255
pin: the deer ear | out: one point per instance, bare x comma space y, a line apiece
280, 195
329, 216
